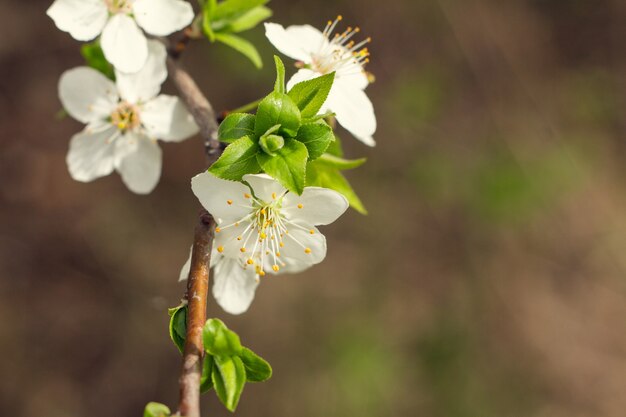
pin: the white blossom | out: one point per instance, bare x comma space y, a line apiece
123, 120
262, 229
322, 53
119, 21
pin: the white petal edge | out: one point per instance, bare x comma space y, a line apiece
82, 19
123, 44
233, 286
166, 117
140, 165
86, 94
215, 193
298, 239
286, 43
319, 206
353, 110
162, 17
264, 187
145, 84
91, 155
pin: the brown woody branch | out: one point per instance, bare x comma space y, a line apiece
198, 280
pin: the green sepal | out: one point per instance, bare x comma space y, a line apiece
218, 340
277, 109
233, 9
340, 163
242, 46
321, 175
316, 137
279, 85
237, 160
235, 126
207, 12
310, 95
288, 166
156, 410
257, 368
178, 325
229, 378
206, 381
92, 52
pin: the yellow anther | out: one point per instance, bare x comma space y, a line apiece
121, 125
281, 244
263, 212
262, 235
229, 202
238, 237
340, 18
329, 22
357, 29
369, 39
220, 249
278, 254
236, 224
312, 231
242, 250
246, 195
217, 230
262, 273
250, 261
300, 206
274, 196
307, 250
276, 268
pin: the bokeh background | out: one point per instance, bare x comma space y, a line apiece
488, 279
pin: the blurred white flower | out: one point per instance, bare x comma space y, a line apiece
322, 53
123, 120
262, 229
123, 43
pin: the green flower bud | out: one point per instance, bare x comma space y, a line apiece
271, 143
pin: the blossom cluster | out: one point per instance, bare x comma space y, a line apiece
266, 213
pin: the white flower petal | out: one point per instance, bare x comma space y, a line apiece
316, 206
227, 240
162, 17
215, 194
293, 42
91, 154
184, 271
354, 111
86, 94
353, 75
308, 38
123, 44
83, 19
298, 240
233, 286
145, 84
265, 187
304, 74
140, 163
167, 118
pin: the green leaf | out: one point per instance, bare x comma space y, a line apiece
156, 410
235, 126
310, 95
218, 340
316, 137
288, 166
92, 52
335, 147
340, 163
207, 12
321, 175
237, 160
229, 378
257, 368
249, 19
277, 109
232, 9
279, 85
241, 45
206, 381
178, 325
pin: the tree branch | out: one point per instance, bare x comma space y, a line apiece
198, 280
197, 292
199, 107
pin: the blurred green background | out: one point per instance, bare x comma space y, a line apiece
488, 279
